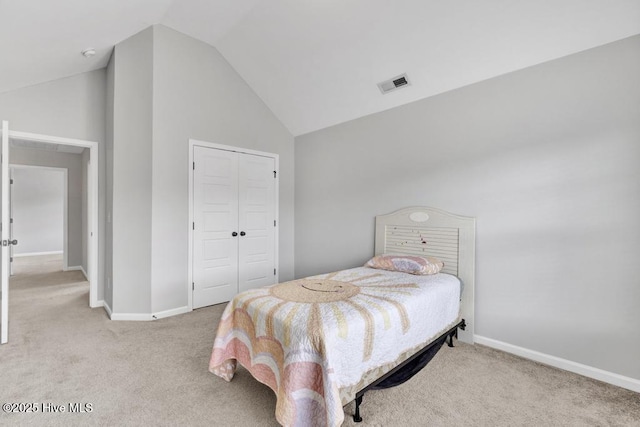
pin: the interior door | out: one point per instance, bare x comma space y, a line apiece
4, 258
215, 226
11, 223
256, 221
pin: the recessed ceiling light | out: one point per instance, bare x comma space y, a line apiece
88, 53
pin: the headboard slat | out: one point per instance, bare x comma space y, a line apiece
431, 232
437, 242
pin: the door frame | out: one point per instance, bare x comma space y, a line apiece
198, 143
93, 230
65, 212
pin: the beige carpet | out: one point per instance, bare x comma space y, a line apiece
155, 373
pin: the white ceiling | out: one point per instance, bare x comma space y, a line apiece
316, 63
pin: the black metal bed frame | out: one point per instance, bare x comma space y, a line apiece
409, 367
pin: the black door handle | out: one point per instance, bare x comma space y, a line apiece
242, 233
234, 234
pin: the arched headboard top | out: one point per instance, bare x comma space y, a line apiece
433, 232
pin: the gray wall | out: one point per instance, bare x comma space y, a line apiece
198, 95
546, 159
37, 206
73, 107
131, 174
73, 164
108, 145
168, 88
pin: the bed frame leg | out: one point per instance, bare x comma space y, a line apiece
450, 343
356, 417
455, 333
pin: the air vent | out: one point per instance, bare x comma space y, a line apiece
393, 84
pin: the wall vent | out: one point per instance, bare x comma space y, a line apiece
394, 83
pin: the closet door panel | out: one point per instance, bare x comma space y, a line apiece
256, 219
215, 251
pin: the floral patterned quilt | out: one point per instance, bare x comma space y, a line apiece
317, 341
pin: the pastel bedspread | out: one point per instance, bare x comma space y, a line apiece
317, 341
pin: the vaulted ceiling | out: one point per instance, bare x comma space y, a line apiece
316, 63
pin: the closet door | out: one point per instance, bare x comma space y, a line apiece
256, 220
215, 214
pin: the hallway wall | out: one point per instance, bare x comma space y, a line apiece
37, 205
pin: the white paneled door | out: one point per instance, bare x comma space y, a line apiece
215, 221
234, 214
256, 222
4, 241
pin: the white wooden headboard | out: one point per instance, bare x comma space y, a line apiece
433, 232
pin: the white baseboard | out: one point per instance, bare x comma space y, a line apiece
567, 365
37, 254
98, 304
169, 313
137, 317
146, 316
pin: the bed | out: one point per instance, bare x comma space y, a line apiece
323, 341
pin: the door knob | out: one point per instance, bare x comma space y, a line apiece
234, 234
242, 233
13, 242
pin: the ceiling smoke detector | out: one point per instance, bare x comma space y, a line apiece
394, 83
